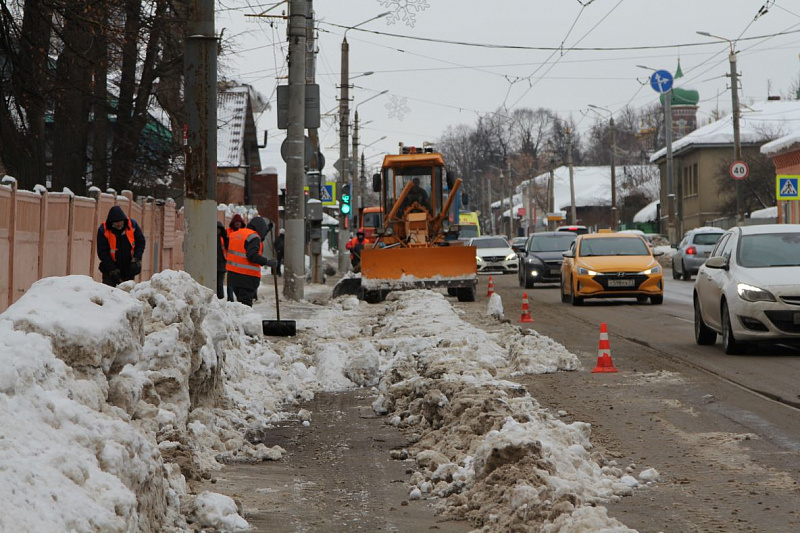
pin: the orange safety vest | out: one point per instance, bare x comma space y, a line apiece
111, 237
224, 250
237, 254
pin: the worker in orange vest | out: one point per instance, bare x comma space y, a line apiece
237, 223
245, 259
356, 246
120, 247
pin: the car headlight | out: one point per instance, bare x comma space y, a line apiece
511, 256
534, 261
479, 258
655, 270
754, 294
586, 272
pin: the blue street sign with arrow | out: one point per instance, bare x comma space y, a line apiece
661, 81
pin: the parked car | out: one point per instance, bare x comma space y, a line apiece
518, 244
748, 290
693, 251
540, 260
611, 265
494, 254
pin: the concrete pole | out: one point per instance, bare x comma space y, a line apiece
614, 216
313, 136
573, 214
670, 190
344, 135
200, 147
295, 272
511, 222
737, 143
355, 190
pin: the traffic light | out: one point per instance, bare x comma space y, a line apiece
346, 208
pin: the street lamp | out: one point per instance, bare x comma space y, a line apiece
668, 142
737, 145
356, 183
344, 134
613, 166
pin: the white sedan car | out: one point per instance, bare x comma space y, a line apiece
749, 288
494, 254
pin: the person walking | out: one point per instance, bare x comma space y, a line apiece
222, 253
236, 223
245, 259
279, 246
120, 247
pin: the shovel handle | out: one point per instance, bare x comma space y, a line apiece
277, 300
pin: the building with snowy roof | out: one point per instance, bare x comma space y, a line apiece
700, 156
785, 154
238, 159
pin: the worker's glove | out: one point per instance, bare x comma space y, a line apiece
136, 266
115, 276
272, 263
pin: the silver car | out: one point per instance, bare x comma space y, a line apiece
693, 251
494, 254
749, 288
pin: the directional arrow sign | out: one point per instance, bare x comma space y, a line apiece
661, 81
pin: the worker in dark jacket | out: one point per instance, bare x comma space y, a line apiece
120, 247
245, 259
222, 253
356, 246
280, 243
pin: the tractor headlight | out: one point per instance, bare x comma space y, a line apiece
754, 294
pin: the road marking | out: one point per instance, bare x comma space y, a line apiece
683, 319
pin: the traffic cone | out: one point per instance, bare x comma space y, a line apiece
491, 287
604, 362
526, 313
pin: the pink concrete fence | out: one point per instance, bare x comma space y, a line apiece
46, 234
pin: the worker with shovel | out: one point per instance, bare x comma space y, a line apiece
245, 259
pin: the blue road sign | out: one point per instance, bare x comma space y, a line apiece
327, 193
788, 187
661, 81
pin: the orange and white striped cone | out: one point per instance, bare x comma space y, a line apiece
491, 287
604, 362
526, 312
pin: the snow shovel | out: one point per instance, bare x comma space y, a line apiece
278, 328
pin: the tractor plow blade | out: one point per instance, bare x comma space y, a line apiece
408, 268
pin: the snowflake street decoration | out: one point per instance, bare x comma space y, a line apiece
397, 107
405, 10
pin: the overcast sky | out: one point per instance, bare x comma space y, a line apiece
433, 85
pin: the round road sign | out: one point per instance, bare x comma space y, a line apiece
739, 170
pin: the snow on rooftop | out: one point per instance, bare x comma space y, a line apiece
231, 124
771, 119
648, 213
783, 143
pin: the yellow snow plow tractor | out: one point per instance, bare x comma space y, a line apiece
416, 246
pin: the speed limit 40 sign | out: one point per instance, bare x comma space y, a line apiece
739, 170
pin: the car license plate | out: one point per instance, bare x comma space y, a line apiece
796, 318
621, 282
555, 272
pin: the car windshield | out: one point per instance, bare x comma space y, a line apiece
490, 243
550, 243
614, 246
468, 231
770, 250
707, 238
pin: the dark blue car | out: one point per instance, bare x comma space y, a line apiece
540, 261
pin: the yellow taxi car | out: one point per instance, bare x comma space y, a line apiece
611, 265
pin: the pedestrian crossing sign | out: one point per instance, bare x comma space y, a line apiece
787, 187
327, 193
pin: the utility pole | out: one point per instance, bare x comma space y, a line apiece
355, 190
614, 216
200, 146
737, 143
502, 200
573, 214
511, 233
670, 185
344, 160
551, 194
294, 280
315, 169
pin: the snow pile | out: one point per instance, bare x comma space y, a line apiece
481, 443
111, 399
494, 307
